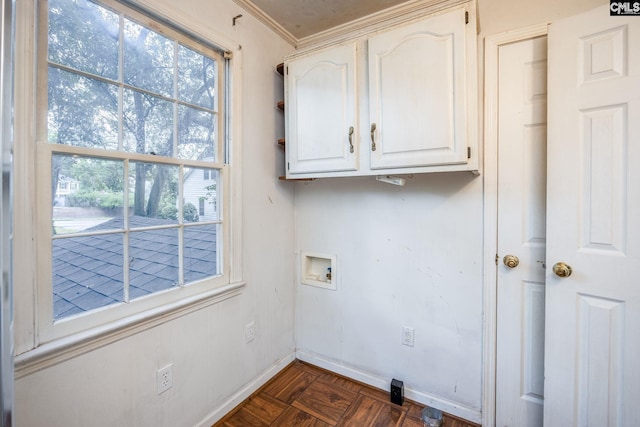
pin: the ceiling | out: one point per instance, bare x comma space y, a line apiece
304, 18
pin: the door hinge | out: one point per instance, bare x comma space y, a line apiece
287, 165
287, 70
468, 152
466, 17
497, 258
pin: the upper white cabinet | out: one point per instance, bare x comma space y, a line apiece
400, 101
417, 94
321, 112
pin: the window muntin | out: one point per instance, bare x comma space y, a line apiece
162, 95
130, 143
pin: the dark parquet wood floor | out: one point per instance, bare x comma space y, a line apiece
305, 395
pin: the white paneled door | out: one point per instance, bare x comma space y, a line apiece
592, 333
522, 138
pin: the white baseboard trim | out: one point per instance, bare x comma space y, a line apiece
246, 391
446, 405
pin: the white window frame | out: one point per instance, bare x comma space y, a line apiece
41, 341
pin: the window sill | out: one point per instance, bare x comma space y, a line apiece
60, 350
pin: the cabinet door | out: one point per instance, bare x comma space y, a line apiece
417, 86
321, 112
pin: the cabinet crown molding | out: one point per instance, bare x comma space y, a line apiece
358, 27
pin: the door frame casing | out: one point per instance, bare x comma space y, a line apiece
489, 335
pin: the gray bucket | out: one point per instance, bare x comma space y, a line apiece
431, 417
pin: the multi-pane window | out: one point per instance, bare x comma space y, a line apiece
134, 124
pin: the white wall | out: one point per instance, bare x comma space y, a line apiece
116, 384
407, 256
497, 16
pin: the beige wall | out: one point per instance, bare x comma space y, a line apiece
498, 16
116, 385
407, 256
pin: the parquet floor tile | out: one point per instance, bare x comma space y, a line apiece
369, 412
313, 370
293, 382
340, 382
296, 417
265, 407
414, 411
303, 395
412, 422
244, 418
325, 401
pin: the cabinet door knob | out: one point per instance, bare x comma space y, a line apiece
373, 137
351, 139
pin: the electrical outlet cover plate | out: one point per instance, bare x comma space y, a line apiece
408, 336
249, 332
165, 378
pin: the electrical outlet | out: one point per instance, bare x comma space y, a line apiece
249, 332
165, 378
408, 335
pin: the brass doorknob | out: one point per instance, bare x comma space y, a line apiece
562, 270
511, 261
